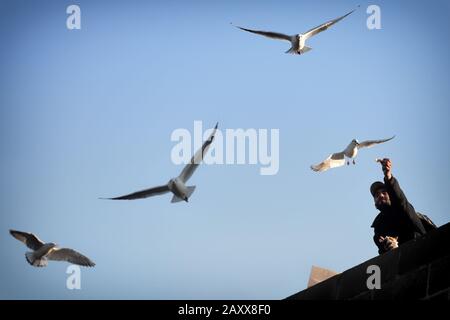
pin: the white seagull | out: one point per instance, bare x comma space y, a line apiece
42, 252
338, 159
177, 185
298, 40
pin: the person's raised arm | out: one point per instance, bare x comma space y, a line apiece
398, 197
395, 192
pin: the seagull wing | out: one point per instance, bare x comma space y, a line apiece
268, 34
143, 193
29, 239
70, 255
189, 169
333, 161
371, 143
324, 26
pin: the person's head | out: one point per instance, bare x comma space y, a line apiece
380, 195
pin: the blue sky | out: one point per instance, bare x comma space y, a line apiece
89, 113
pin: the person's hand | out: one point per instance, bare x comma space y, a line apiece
389, 243
386, 165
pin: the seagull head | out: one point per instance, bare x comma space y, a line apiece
355, 142
49, 247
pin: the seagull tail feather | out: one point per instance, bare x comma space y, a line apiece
30, 257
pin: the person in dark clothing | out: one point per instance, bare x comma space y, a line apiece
397, 221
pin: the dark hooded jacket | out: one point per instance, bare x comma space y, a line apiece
399, 220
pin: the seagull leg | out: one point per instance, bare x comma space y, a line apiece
354, 162
348, 163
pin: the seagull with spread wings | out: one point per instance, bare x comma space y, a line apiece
177, 185
298, 40
338, 159
42, 252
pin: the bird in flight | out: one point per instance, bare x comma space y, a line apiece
177, 185
42, 252
338, 159
298, 40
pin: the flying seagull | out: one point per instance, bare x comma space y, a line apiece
338, 159
177, 185
298, 40
42, 252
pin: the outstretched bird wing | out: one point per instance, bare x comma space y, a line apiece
333, 161
371, 143
143, 193
70, 255
268, 34
189, 169
324, 26
29, 239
